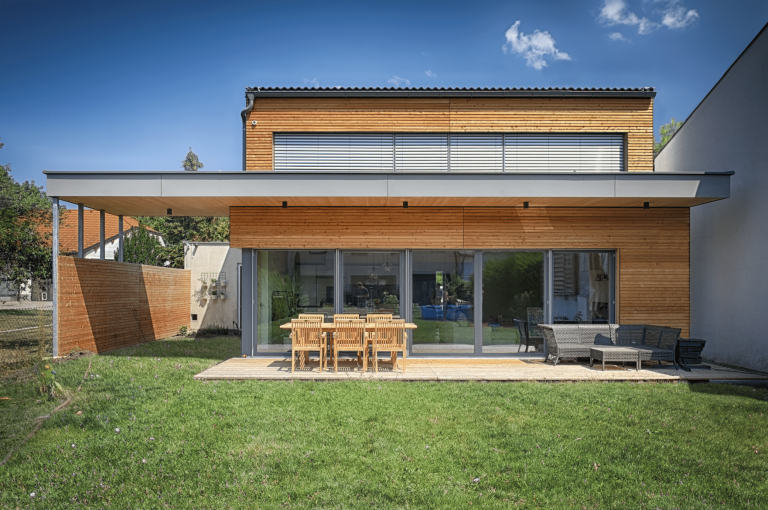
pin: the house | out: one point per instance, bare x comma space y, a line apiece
462, 210
729, 239
68, 231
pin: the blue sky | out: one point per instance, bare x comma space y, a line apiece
110, 85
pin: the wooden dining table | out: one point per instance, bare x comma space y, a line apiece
330, 327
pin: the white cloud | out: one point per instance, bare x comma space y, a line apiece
616, 36
397, 81
312, 83
429, 73
615, 12
676, 16
533, 47
673, 16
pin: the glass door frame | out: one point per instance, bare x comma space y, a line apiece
338, 294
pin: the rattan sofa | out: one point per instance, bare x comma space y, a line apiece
653, 343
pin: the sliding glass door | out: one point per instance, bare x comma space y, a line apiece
463, 302
513, 302
290, 282
443, 302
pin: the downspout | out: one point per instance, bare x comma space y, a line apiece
243, 116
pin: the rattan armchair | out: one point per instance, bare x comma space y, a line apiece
349, 336
390, 336
306, 336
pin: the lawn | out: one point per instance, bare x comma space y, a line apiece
253, 444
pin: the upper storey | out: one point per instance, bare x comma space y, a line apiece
449, 129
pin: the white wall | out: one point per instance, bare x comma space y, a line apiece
729, 238
212, 258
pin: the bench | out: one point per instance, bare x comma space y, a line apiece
652, 343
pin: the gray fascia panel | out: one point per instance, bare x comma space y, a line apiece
274, 184
388, 184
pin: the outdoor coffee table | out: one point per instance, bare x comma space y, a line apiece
612, 353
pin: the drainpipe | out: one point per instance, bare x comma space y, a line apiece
244, 116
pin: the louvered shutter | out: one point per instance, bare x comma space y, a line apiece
421, 152
333, 151
477, 152
563, 152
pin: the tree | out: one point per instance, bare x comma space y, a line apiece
142, 248
191, 163
666, 131
176, 229
25, 224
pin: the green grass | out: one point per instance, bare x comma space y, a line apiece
254, 444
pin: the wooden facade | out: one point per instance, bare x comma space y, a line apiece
106, 305
631, 116
652, 245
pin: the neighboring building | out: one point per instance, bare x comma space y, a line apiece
209, 261
461, 210
68, 233
729, 239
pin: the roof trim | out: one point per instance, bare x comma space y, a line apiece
256, 174
396, 92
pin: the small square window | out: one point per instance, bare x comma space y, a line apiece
194, 316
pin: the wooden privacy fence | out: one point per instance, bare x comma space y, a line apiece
105, 305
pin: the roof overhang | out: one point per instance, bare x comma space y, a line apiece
213, 193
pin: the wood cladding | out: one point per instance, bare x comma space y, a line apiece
106, 305
633, 116
652, 245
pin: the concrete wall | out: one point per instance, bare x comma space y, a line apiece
729, 239
202, 258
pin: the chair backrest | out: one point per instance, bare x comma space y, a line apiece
390, 333
350, 334
306, 333
373, 317
522, 328
565, 333
312, 316
661, 336
345, 316
595, 334
628, 334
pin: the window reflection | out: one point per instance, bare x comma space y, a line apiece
513, 290
443, 301
581, 287
291, 282
371, 282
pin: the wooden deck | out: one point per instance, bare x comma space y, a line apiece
420, 369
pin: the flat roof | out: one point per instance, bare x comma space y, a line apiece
449, 92
213, 193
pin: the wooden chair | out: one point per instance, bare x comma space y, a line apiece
306, 336
339, 317
390, 336
350, 336
312, 316
372, 318
345, 316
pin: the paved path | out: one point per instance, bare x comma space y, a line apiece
462, 370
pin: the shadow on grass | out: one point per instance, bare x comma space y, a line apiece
217, 348
733, 390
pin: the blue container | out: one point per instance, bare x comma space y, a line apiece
432, 312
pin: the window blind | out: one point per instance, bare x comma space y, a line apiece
428, 152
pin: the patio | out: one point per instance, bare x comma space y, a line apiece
510, 370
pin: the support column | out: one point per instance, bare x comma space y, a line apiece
102, 248
121, 241
79, 231
55, 275
248, 327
